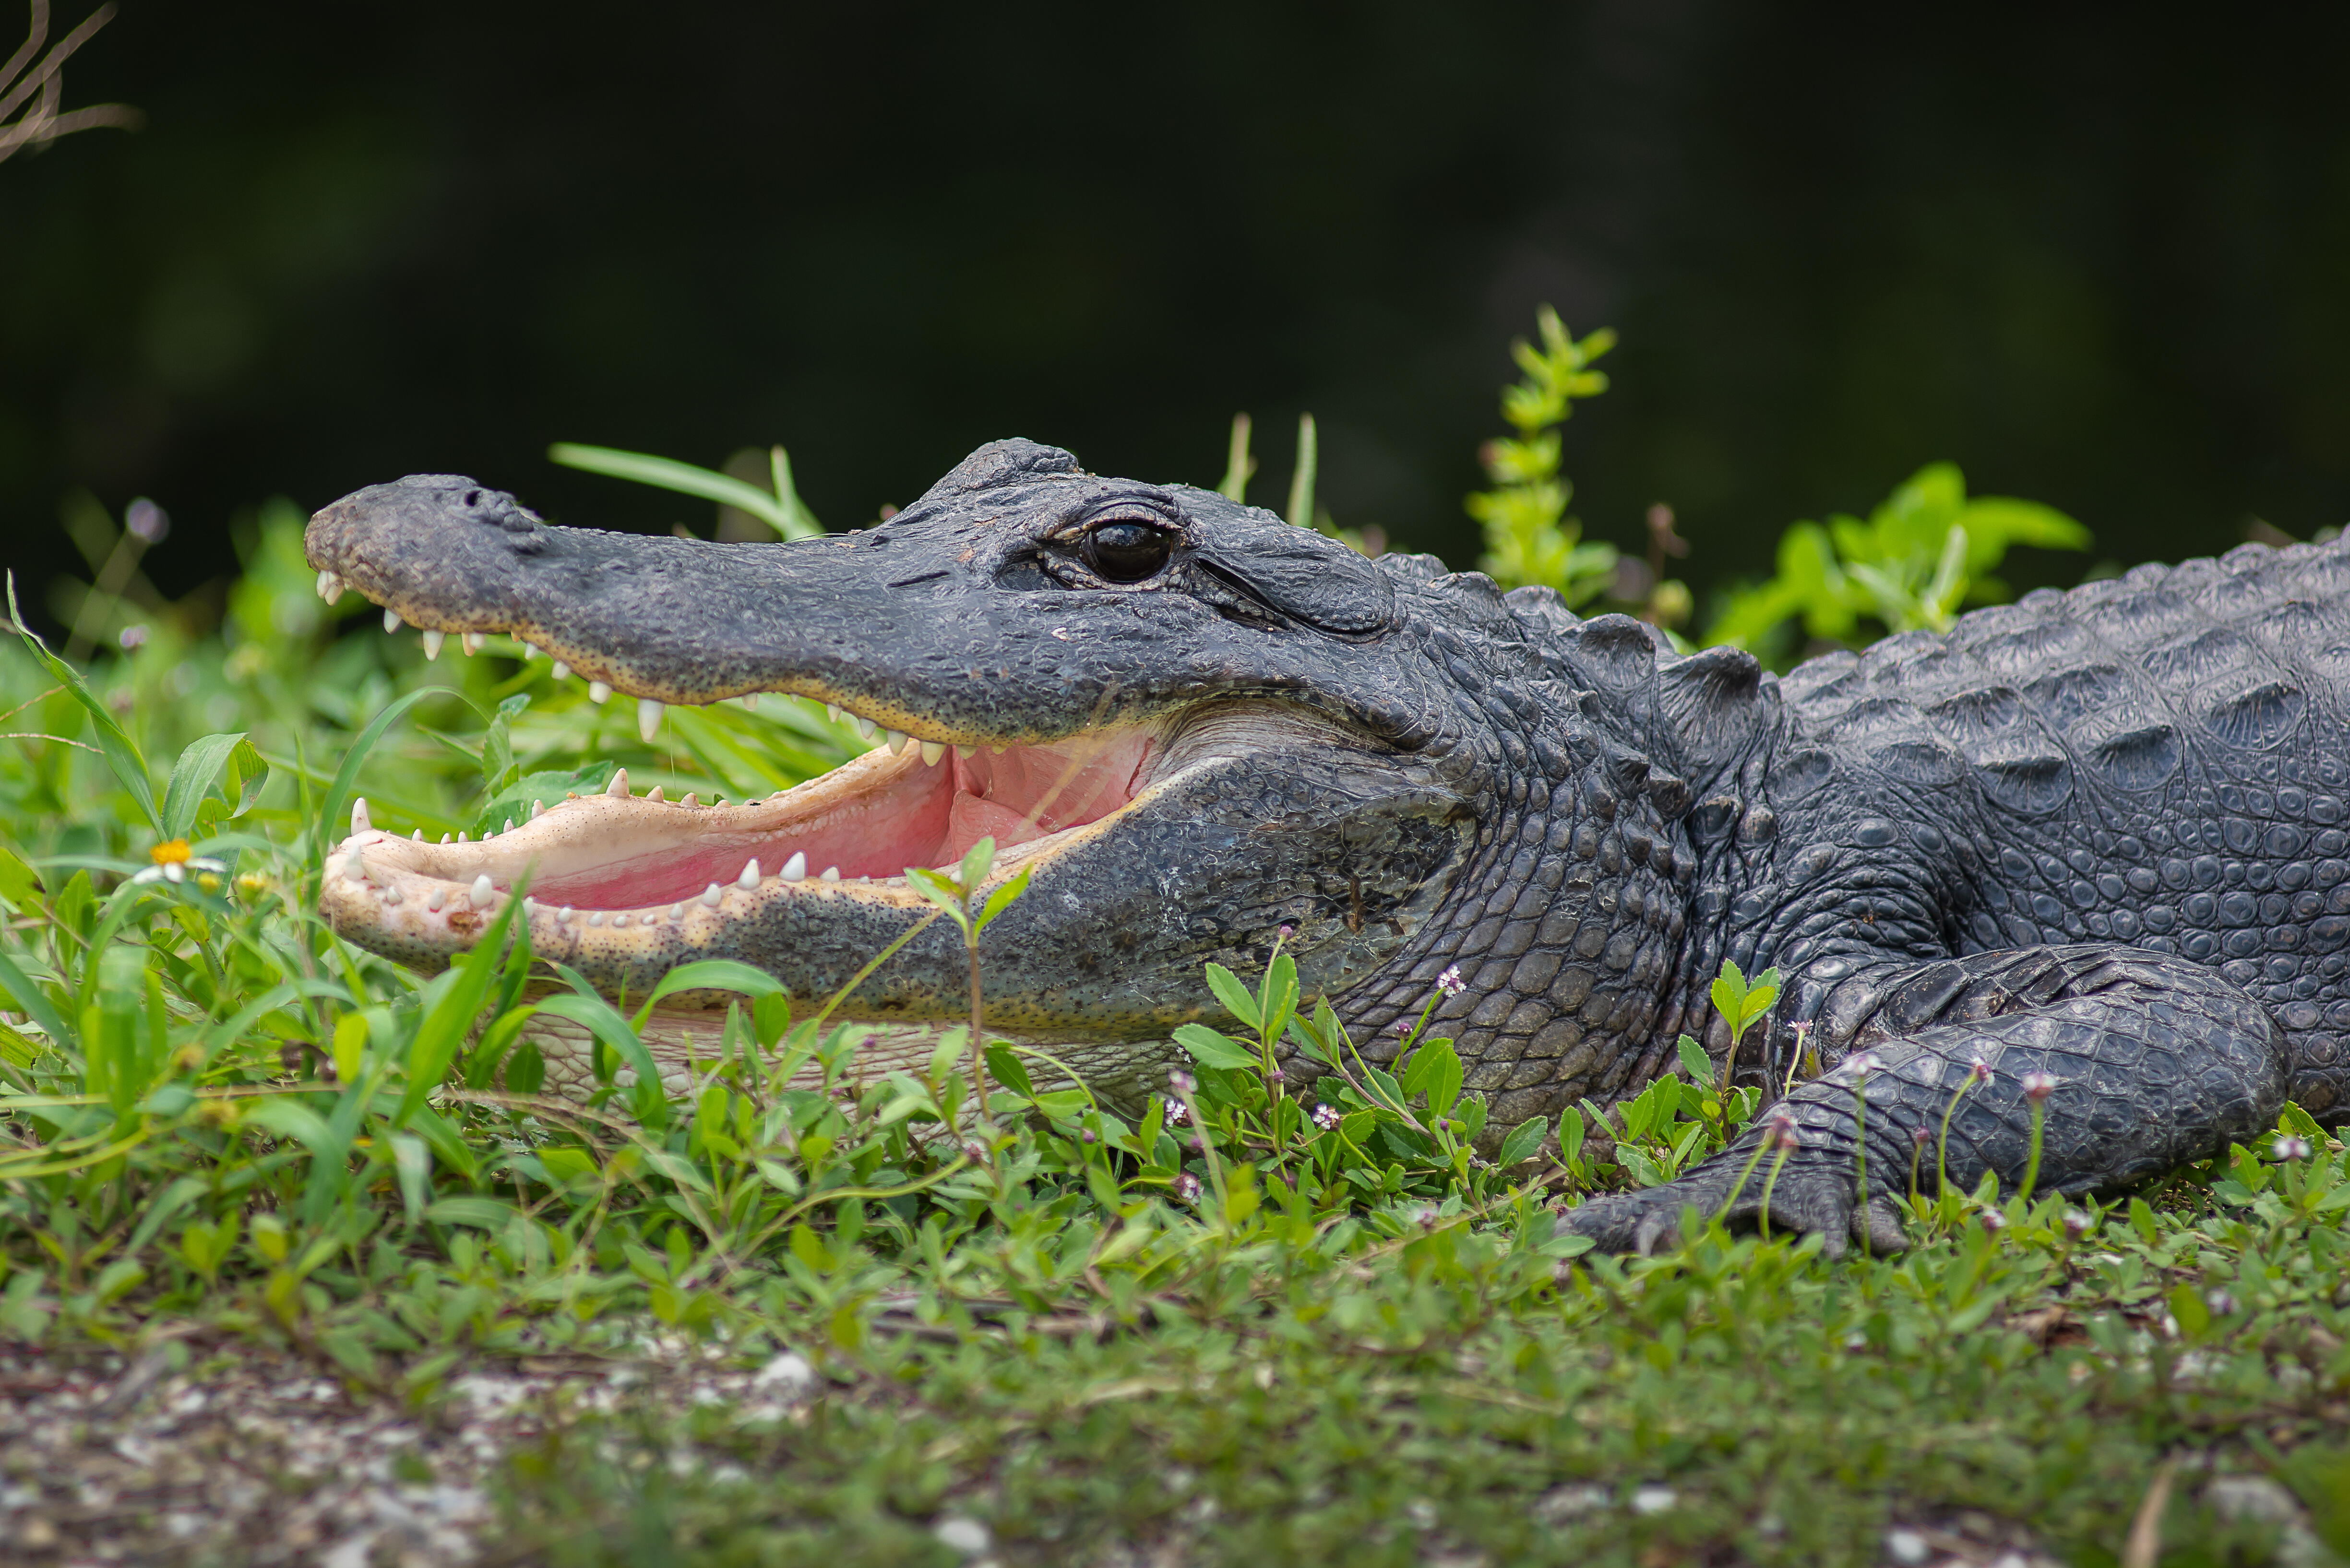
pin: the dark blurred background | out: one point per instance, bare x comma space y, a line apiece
2098, 261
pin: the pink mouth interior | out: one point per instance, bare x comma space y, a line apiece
920, 817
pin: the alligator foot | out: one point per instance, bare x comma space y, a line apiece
1811, 1194
2140, 1062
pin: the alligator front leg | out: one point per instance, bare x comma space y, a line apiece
2156, 1061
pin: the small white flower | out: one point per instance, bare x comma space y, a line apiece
1178, 1114
2038, 1086
2291, 1147
1326, 1117
1187, 1187
1450, 983
172, 862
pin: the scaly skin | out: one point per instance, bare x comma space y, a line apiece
2099, 834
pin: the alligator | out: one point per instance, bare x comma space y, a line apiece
2087, 854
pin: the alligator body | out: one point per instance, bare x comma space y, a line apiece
2101, 835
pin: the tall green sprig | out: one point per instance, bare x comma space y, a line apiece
1529, 537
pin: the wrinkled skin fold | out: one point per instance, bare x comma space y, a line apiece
2098, 834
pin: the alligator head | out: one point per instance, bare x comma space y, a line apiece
1196, 724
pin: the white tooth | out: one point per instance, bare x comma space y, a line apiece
354, 868
509, 826
359, 823
619, 920
561, 671
391, 895
619, 784
676, 911
530, 652
537, 809
863, 724
690, 799
531, 905
750, 877
482, 891
444, 838
655, 793
711, 895
832, 711
433, 640
865, 878
795, 869
473, 642
461, 835
391, 621
966, 753
997, 750
931, 751
596, 918
330, 586
418, 836
750, 700
563, 916
597, 691
435, 899
831, 874
648, 714
896, 741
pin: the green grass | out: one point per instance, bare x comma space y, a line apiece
1286, 1342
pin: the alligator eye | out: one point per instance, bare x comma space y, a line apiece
1127, 552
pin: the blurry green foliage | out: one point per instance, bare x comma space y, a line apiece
1529, 537
1925, 552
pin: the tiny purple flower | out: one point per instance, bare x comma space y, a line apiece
1287, 930
1991, 1220
1178, 1114
148, 522
1425, 1217
1403, 1028
2077, 1223
1187, 1187
1086, 1134
974, 1150
1276, 1076
1326, 1117
2038, 1086
1920, 1136
2291, 1147
1978, 1070
1861, 1063
133, 637
1450, 983
1180, 1082
2221, 1303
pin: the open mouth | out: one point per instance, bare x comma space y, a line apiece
618, 859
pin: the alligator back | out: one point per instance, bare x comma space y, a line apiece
2162, 759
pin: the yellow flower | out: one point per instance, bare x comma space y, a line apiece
173, 861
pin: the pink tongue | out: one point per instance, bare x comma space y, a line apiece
973, 819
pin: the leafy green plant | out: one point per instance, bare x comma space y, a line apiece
1529, 537
1922, 554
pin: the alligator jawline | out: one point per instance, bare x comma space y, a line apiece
619, 859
